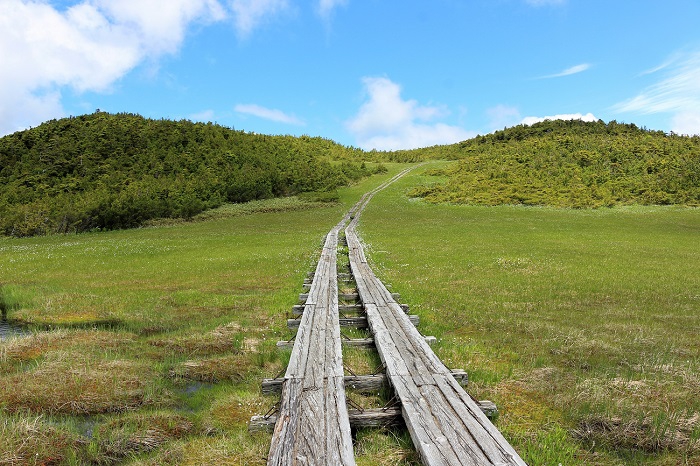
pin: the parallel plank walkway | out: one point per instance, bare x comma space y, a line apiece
446, 425
313, 425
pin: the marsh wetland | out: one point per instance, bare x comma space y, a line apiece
148, 346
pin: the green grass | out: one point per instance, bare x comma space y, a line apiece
580, 325
178, 319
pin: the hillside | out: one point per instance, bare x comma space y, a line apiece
106, 171
567, 164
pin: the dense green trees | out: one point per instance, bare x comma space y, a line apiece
117, 171
570, 164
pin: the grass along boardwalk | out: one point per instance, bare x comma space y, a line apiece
313, 424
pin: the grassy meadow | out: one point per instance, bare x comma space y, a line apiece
582, 325
148, 346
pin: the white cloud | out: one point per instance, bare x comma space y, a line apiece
326, 7
43, 49
204, 116
569, 71
531, 120
20, 110
92, 44
502, 116
387, 122
268, 114
687, 123
677, 92
249, 14
160, 24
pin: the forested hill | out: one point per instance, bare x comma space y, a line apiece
567, 164
116, 171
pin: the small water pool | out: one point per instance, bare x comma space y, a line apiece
8, 329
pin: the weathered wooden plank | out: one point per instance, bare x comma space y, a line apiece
354, 342
355, 322
459, 435
431, 444
304, 297
495, 444
406, 345
334, 352
385, 343
437, 412
285, 430
356, 418
298, 309
341, 276
361, 383
299, 356
307, 284
376, 417
338, 439
313, 425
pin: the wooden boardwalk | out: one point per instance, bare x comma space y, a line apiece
447, 427
313, 424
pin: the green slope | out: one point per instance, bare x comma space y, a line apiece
117, 171
568, 164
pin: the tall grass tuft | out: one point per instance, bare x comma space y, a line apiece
9, 300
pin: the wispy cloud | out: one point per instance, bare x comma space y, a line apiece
677, 92
387, 122
569, 71
326, 7
502, 116
657, 68
249, 14
275, 115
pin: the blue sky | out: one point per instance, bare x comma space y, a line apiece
384, 74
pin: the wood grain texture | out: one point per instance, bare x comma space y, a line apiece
377, 417
348, 309
363, 384
313, 427
354, 322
